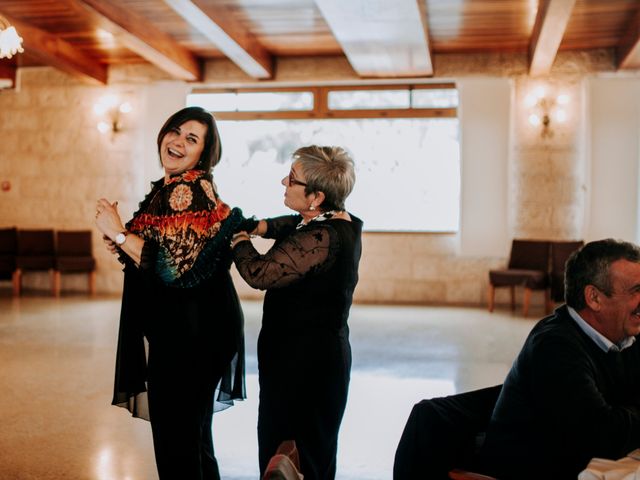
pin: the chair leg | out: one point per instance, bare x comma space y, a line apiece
16, 280
548, 304
56, 283
491, 296
92, 283
54, 288
526, 301
512, 290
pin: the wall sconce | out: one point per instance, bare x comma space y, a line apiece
543, 109
10, 41
110, 109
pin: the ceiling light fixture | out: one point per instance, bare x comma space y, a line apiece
10, 41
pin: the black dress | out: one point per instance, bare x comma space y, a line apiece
181, 326
304, 355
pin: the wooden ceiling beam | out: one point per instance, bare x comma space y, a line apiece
239, 45
138, 35
59, 53
424, 20
628, 51
551, 22
381, 38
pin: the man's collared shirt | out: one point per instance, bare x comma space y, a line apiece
603, 342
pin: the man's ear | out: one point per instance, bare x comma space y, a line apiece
592, 297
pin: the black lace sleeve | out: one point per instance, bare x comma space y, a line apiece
305, 252
281, 227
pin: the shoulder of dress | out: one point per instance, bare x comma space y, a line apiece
190, 176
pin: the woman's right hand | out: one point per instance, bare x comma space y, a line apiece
108, 219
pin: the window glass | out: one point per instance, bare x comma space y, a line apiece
407, 170
368, 99
434, 98
252, 101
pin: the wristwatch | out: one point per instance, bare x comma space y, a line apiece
121, 238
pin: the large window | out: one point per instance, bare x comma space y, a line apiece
404, 142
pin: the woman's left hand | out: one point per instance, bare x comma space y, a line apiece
239, 237
108, 219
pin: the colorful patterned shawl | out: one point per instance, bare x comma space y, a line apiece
186, 228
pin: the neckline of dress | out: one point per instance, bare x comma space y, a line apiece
318, 218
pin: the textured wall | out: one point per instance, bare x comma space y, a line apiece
58, 164
547, 175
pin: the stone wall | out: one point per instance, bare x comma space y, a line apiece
547, 178
58, 164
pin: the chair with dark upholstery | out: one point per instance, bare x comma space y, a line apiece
442, 436
285, 464
36, 252
8, 252
74, 254
560, 252
528, 267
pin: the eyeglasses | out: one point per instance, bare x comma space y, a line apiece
293, 181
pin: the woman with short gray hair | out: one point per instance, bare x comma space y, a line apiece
310, 273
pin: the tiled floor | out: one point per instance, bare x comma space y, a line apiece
56, 375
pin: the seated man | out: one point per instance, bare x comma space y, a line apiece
573, 392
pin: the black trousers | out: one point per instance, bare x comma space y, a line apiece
312, 421
181, 389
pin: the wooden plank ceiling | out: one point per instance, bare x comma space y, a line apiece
380, 38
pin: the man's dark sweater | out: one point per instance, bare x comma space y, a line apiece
564, 402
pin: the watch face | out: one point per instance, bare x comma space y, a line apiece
120, 238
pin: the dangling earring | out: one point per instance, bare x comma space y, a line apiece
311, 207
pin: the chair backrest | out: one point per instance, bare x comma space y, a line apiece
560, 252
530, 255
73, 243
444, 433
8, 241
36, 243
8, 252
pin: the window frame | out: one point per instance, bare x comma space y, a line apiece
321, 111
321, 108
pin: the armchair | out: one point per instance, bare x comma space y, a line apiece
36, 252
442, 436
560, 252
8, 252
285, 464
528, 267
74, 255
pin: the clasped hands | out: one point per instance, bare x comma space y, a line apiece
108, 222
242, 232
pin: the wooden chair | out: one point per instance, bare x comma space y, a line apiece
528, 267
8, 252
36, 252
74, 254
560, 252
442, 436
285, 464
457, 474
